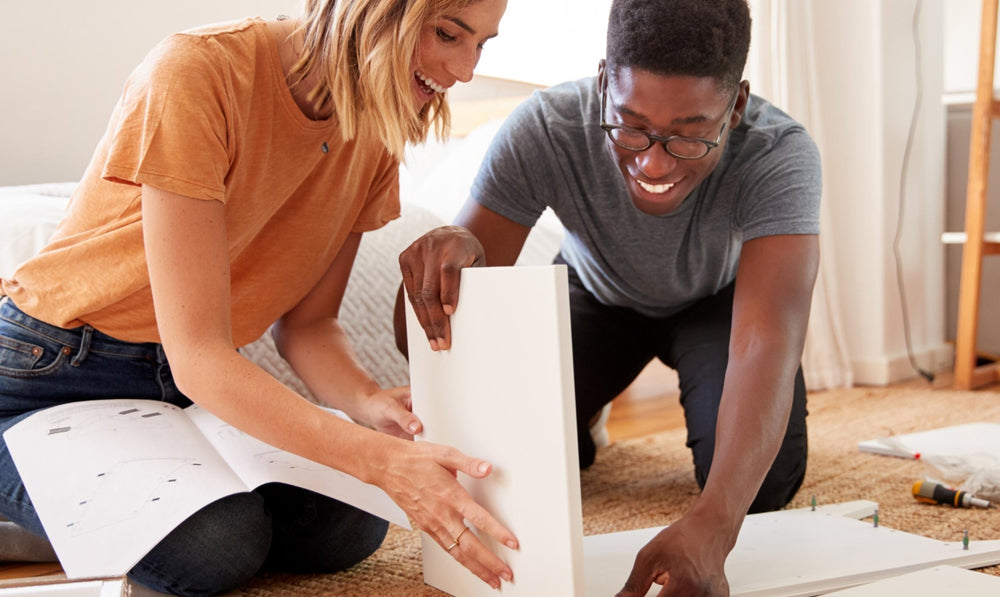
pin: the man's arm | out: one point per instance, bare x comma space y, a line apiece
773, 295
432, 266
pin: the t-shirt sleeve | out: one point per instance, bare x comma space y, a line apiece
170, 128
515, 160
781, 191
382, 205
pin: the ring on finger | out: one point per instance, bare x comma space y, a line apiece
457, 537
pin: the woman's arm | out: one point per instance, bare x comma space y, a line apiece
311, 339
188, 260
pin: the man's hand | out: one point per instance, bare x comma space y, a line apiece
688, 558
431, 268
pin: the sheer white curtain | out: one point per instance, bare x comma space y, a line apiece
781, 68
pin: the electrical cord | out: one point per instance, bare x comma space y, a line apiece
902, 194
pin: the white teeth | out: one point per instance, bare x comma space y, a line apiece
431, 83
655, 188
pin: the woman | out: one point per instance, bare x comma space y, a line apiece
237, 175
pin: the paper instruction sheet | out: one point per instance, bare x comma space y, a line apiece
110, 478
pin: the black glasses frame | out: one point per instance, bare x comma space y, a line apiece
651, 139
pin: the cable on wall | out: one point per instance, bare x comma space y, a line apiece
902, 193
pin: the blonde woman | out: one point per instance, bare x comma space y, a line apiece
239, 170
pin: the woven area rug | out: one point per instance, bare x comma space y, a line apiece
650, 482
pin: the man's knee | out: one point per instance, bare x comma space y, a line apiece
780, 486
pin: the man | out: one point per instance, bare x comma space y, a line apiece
691, 211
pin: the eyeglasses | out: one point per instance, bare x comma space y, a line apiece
679, 146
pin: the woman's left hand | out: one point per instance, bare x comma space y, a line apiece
388, 411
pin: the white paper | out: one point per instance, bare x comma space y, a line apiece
966, 439
257, 463
111, 478
504, 392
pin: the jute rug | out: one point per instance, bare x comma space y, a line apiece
650, 482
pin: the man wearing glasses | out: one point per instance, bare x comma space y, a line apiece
691, 211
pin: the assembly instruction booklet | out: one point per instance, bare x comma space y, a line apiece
111, 478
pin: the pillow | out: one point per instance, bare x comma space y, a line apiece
438, 175
29, 216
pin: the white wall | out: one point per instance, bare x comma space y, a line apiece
64, 63
961, 45
548, 41
868, 90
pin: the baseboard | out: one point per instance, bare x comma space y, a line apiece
888, 371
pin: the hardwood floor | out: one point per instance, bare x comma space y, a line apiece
650, 404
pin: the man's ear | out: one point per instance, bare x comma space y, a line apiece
742, 100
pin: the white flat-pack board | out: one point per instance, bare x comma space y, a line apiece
971, 438
796, 553
88, 588
504, 392
932, 582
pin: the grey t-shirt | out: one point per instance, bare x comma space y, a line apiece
551, 152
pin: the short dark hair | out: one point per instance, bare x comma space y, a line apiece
700, 38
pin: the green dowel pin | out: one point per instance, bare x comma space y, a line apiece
965, 540
875, 518
814, 503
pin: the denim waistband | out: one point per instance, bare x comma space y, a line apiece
83, 339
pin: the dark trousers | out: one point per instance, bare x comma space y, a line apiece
612, 345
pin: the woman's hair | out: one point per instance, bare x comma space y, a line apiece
361, 53
700, 38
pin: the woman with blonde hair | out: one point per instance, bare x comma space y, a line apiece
230, 192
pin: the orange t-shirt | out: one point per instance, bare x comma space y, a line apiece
208, 114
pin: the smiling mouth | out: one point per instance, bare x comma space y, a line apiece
656, 189
428, 85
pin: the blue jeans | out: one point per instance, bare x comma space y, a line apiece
221, 546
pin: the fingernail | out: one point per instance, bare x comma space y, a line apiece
434, 345
507, 576
442, 344
448, 309
512, 544
414, 427
484, 467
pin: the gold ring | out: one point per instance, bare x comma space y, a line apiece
455, 544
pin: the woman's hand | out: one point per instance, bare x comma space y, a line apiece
421, 478
388, 411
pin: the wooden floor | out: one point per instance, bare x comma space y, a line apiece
649, 405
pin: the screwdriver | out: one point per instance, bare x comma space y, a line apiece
936, 493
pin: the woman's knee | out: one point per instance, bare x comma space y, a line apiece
318, 534
217, 549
